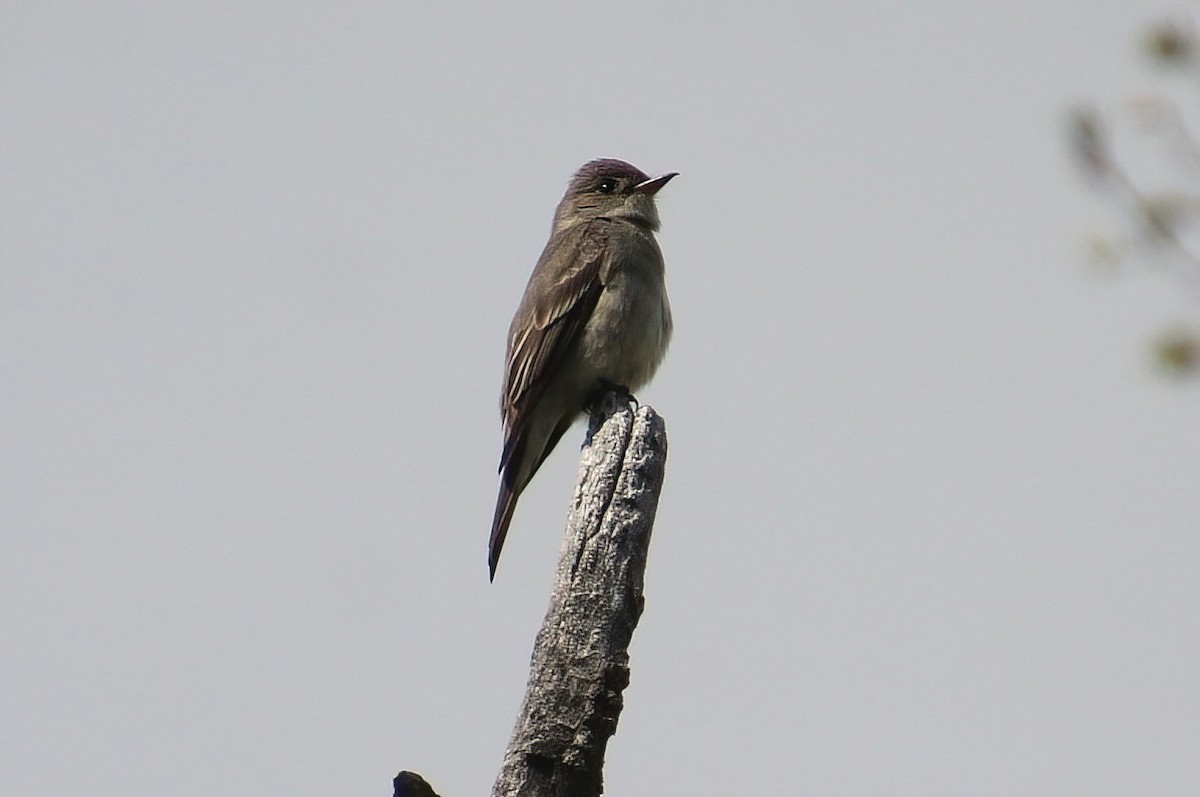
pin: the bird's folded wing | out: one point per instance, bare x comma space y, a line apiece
563, 292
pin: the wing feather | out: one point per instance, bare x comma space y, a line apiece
561, 295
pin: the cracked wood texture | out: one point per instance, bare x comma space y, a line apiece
580, 661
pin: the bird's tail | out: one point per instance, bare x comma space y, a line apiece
517, 467
506, 503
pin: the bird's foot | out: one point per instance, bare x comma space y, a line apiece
621, 391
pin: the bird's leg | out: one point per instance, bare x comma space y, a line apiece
621, 391
599, 408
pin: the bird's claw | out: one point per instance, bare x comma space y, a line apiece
620, 391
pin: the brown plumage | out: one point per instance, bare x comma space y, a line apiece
594, 315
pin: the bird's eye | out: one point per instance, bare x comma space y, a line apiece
607, 186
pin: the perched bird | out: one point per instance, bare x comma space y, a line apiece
594, 317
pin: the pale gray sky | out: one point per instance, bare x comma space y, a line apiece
930, 521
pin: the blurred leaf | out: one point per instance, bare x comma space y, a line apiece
1171, 43
1165, 214
1105, 253
1178, 352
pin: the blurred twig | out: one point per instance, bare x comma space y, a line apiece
1163, 224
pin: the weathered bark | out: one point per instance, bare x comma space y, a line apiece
580, 658
580, 661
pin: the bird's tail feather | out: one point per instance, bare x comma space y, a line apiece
506, 503
514, 475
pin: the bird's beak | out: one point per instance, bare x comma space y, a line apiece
652, 185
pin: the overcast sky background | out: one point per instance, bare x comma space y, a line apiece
930, 523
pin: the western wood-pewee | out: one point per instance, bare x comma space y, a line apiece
594, 317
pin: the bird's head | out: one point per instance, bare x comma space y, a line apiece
610, 188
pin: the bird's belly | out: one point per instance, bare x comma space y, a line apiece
626, 337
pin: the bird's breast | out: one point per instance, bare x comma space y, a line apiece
627, 335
